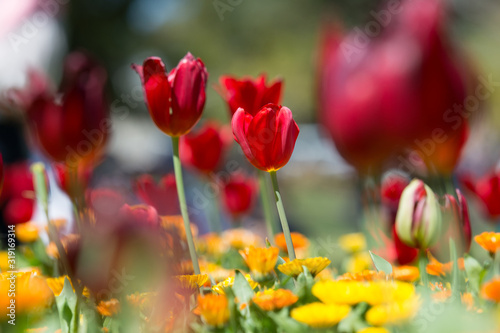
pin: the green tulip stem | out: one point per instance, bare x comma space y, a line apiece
182, 202
422, 267
282, 215
266, 207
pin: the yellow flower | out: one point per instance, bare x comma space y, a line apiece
219, 287
212, 244
374, 330
188, 284
490, 241
491, 290
4, 261
213, 309
260, 260
240, 238
32, 294
270, 300
108, 308
320, 315
56, 284
313, 265
27, 232
366, 275
353, 243
299, 241
353, 292
359, 262
216, 272
392, 313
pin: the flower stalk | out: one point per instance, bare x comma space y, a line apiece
266, 207
282, 215
183, 205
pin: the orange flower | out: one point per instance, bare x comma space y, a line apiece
270, 300
299, 241
405, 273
240, 238
27, 232
188, 284
213, 309
108, 308
260, 260
490, 241
434, 267
491, 290
66, 241
175, 223
295, 267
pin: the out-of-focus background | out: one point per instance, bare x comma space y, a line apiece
239, 37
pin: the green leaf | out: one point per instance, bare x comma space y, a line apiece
286, 282
381, 264
474, 272
242, 290
67, 307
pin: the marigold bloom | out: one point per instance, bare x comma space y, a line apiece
434, 267
405, 273
56, 284
213, 309
260, 260
188, 284
241, 238
32, 294
212, 244
320, 315
392, 313
228, 282
175, 223
249, 94
108, 308
491, 290
299, 241
27, 232
352, 243
267, 138
490, 241
175, 101
313, 265
271, 299
373, 330
359, 262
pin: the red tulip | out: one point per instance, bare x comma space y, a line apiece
140, 215
105, 204
238, 194
395, 91
66, 183
162, 196
18, 182
249, 94
76, 129
393, 185
1, 174
268, 138
204, 148
456, 226
182, 91
404, 254
487, 189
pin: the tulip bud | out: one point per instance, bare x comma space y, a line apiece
418, 221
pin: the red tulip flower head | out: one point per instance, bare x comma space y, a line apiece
238, 194
487, 190
162, 196
203, 149
176, 100
251, 95
266, 138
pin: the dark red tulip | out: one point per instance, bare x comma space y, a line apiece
381, 96
17, 195
182, 91
203, 149
75, 129
268, 138
105, 204
238, 194
393, 185
249, 94
487, 190
1, 174
404, 254
162, 196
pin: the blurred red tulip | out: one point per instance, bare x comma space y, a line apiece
17, 194
143, 215
105, 204
76, 129
393, 185
238, 194
203, 149
1, 174
64, 178
268, 138
249, 94
384, 95
162, 196
456, 226
404, 254
487, 190
183, 91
